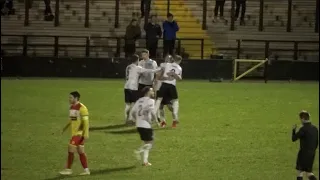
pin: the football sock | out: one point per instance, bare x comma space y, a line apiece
161, 113
170, 107
83, 160
147, 148
157, 105
312, 177
175, 107
127, 111
70, 160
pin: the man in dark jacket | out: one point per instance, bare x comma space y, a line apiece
170, 29
308, 136
133, 32
153, 33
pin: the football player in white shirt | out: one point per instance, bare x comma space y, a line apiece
168, 89
146, 79
144, 113
131, 93
157, 84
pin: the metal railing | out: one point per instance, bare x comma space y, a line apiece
89, 44
260, 26
268, 51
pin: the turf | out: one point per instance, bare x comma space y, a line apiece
227, 131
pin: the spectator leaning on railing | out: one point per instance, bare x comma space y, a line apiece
170, 29
153, 33
133, 32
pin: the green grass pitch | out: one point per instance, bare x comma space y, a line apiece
228, 131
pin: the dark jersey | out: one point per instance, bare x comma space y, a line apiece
308, 135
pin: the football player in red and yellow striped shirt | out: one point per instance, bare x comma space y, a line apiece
79, 123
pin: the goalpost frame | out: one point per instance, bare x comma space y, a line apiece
260, 63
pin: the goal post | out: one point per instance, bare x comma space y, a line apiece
260, 63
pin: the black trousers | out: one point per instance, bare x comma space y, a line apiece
168, 47
152, 46
48, 7
219, 6
243, 5
145, 7
129, 49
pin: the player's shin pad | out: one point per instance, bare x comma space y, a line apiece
175, 107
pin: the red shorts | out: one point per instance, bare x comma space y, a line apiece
77, 140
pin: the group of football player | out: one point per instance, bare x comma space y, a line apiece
145, 81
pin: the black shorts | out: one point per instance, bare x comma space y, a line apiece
305, 160
140, 87
130, 96
164, 101
146, 134
168, 92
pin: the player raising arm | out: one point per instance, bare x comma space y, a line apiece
144, 113
308, 136
131, 93
79, 123
168, 89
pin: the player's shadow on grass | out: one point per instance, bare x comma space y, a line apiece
96, 172
107, 127
130, 131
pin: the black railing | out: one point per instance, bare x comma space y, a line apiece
89, 45
288, 22
267, 50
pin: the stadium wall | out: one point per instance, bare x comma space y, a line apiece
115, 68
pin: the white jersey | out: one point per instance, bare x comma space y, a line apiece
144, 112
147, 78
172, 67
158, 82
132, 76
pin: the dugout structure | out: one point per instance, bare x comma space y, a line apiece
259, 63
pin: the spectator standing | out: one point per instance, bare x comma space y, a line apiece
7, 7
170, 29
145, 7
153, 33
243, 5
219, 6
48, 16
133, 32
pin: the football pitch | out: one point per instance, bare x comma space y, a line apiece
227, 131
